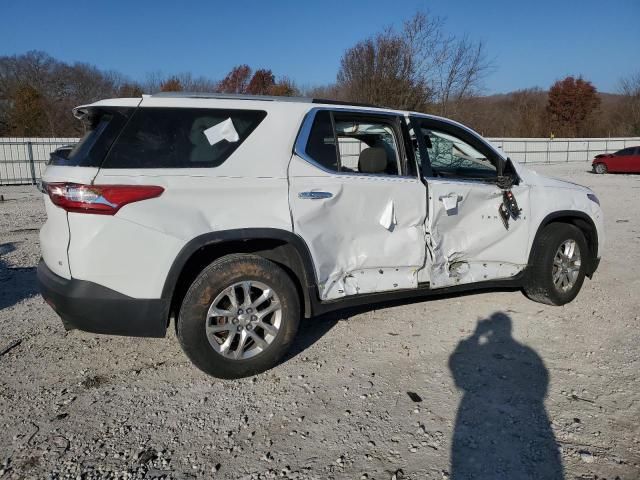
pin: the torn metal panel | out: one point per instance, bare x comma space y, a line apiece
363, 225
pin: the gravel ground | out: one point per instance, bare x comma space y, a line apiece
490, 383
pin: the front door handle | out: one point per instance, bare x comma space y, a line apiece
314, 195
450, 201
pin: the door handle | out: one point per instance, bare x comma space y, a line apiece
450, 201
314, 195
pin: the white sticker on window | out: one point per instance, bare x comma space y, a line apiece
222, 131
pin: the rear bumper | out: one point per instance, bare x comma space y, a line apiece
93, 308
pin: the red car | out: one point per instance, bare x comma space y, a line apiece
626, 160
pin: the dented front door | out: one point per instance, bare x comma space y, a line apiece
467, 240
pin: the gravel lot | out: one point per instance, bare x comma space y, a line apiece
558, 396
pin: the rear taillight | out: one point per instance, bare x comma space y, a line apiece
98, 199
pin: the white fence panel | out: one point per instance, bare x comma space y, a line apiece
543, 150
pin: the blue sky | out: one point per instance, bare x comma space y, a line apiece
532, 43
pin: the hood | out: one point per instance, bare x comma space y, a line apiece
532, 177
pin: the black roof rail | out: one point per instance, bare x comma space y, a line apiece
264, 98
232, 96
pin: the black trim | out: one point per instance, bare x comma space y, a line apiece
94, 308
592, 241
423, 291
306, 272
338, 102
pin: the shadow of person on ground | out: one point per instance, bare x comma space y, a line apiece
16, 283
502, 431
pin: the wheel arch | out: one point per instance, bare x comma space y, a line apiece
580, 220
282, 247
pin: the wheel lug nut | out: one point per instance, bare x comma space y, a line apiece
239, 328
249, 310
249, 327
234, 321
254, 318
240, 311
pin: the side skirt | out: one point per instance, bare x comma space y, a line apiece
423, 291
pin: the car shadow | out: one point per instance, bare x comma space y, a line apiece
16, 283
502, 430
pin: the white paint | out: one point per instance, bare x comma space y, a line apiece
371, 234
352, 248
388, 218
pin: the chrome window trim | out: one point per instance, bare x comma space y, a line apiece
302, 139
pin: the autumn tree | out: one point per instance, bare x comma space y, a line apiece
171, 84
27, 117
236, 80
284, 88
261, 82
130, 90
571, 102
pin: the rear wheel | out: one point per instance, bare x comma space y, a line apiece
239, 317
557, 269
600, 168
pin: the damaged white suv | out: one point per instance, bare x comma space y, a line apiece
237, 216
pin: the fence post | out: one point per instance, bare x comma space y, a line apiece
588, 143
525, 151
548, 142
31, 164
568, 143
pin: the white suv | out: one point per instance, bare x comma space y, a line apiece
238, 215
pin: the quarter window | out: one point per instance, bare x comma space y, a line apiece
181, 137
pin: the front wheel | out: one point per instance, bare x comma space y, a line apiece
600, 168
239, 317
557, 268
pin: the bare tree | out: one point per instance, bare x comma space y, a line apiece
420, 67
630, 108
381, 71
452, 69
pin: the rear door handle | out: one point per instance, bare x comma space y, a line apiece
314, 195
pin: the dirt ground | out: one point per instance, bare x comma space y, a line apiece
485, 385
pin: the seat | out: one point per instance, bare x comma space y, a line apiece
373, 160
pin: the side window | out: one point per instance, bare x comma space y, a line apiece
321, 146
625, 152
181, 137
365, 144
451, 156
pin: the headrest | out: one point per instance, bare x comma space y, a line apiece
372, 160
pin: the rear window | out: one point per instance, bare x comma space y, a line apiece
181, 137
102, 128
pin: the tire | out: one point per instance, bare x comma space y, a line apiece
540, 285
213, 342
600, 168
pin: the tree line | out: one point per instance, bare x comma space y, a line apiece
417, 66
